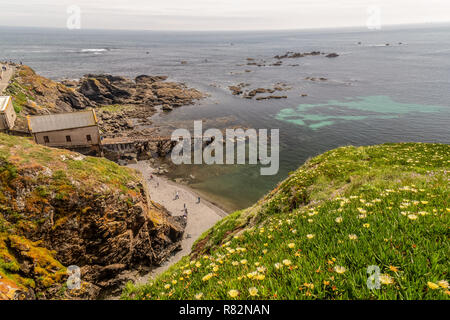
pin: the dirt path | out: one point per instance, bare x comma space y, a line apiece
201, 216
6, 76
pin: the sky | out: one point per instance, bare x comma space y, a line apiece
220, 14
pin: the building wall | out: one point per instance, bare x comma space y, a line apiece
8, 117
77, 136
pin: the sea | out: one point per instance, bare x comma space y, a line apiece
387, 85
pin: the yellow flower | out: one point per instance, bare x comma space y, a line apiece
338, 219
261, 269
310, 236
412, 217
432, 285
443, 284
353, 236
174, 281
278, 265
167, 286
394, 269
235, 263
198, 296
187, 272
216, 268
253, 291
198, 264
339, 269
309, 285
264, 251
386, 279
260, 277
424, 202
291, 245
207, 277
233, 293
366, 225
287, 262
244, 261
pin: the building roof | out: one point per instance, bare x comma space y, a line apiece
4, 102
62, 121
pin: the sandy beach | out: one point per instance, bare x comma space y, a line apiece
201, 216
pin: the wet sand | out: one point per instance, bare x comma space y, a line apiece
201, 216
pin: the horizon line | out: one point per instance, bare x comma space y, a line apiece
241, 30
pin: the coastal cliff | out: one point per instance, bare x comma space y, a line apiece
353, 223
59, 208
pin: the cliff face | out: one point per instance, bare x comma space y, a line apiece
58, 208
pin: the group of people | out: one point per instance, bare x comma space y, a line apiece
177, 197
2, 70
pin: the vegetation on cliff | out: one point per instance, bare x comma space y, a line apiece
318, 233
34, 94
59, 208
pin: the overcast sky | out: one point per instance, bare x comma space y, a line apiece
220, 14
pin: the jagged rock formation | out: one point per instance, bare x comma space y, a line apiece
59, 208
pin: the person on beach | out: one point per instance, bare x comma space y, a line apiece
198, 200
185, 214
177, 196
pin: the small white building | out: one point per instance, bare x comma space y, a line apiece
70, 130
7, 113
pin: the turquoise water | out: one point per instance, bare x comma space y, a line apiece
316, 116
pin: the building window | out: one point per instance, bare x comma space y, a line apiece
68, 139
46, 139
88, 138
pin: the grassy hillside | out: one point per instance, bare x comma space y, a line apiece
316, 234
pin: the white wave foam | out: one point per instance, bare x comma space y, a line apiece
94, 50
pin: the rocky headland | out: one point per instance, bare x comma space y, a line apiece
121, 103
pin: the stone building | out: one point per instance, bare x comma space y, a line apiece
7, 113
72, 130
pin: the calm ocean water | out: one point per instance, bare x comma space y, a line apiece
374, 93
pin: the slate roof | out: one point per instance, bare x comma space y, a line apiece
62, 121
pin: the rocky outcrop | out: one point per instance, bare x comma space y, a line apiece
295, 55
59, 209
238, 90
143, 90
